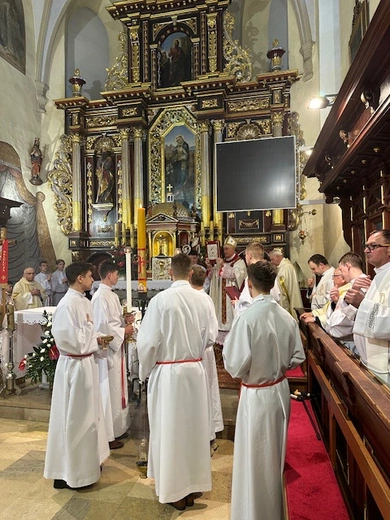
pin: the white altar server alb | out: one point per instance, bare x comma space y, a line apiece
77, 442
172, 338
108, 319
263, 343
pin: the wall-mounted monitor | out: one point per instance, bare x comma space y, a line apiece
258, 174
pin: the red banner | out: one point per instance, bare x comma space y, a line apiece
4, 262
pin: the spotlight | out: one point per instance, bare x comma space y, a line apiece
318, 102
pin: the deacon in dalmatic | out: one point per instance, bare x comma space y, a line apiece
263, 344
77, 442
108, 319
173, 336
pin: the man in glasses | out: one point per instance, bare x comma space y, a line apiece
27, 293
372, 301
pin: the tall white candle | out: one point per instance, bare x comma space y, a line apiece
128, 279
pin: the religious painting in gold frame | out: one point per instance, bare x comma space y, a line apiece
175, 158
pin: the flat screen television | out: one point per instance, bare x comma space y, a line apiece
258, 174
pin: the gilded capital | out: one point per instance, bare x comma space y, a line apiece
125, 134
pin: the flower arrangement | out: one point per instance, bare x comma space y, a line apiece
118, 257
45, 356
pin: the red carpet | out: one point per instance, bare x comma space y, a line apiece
312, 489
295, 372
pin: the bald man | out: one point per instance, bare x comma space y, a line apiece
27, 293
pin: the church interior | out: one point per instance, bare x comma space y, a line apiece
114, 115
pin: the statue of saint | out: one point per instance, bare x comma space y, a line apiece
36, 162
105, 177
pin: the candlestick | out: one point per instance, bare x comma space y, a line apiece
128, 279
141, 238
123, 233
211, 229
116, 234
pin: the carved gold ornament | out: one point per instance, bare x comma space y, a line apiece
60, 180
117, 74
238, 60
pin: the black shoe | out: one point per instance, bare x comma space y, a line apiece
180, 505
60, 484
115, 445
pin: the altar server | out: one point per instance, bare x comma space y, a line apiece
108, 318
59, 282
77, 442
263, 344
216, 419
173, 336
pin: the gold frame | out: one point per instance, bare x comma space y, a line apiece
165, 122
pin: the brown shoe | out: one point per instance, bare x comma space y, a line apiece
180, 505
115, 445
190, 500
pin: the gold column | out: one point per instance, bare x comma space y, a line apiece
126, 195
277, 123
138, 169
76, 181
218, 127
205, 166
212, 41
135, 54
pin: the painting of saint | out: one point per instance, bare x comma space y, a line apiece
174, 60
180, 164
12, 33
105, 177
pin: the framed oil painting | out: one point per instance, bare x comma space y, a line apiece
12, 33
174, 60
179, 162
175, 158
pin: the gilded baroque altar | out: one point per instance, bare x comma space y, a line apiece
179, 85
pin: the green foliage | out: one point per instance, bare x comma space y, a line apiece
44, 357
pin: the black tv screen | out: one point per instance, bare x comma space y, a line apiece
258, 174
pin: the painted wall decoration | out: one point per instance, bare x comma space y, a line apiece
12, 33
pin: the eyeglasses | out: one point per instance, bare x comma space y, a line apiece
372, 247
335, 275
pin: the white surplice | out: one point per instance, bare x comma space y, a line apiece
108, 319
321, 293
77, 442
176, 327
58, 286
245, 300
42, 278
263, 344
216, 417
372, 324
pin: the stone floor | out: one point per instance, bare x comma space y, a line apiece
120, 493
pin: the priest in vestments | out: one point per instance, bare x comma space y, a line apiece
28, 293
108, 319
171, 341
263, 344
286, 290
227, 272
77, 443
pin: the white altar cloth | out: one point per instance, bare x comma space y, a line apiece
27, 334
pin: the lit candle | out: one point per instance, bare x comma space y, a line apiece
141, 237
211, 229
128, 279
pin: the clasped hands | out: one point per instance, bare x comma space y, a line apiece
356, 294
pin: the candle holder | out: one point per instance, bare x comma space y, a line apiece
142, 461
